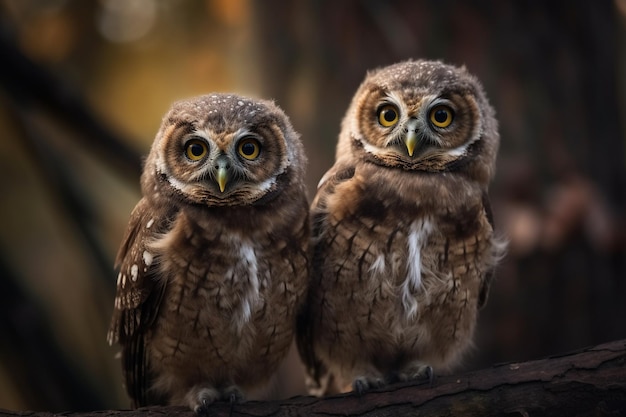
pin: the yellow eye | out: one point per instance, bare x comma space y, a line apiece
196, 149
388, 115
249, 148
441, 116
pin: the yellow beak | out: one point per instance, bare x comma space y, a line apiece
410, 141
222, 178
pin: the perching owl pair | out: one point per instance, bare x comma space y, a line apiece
219, 268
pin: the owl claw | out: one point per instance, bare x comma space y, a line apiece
201, 399
233, 395
362, 384
430, 374
359, 386
202, 410
418, 371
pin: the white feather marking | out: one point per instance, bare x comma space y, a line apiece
458, 151
250, 298
119, 278
325, 178
179, 185
378, 266
372, 148
267, 184
418, 235
147, 258
134, 270
149, 224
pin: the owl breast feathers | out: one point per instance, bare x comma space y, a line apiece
403, 241
213, 266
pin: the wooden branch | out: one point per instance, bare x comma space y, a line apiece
590, 382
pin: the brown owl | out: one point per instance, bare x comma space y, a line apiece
403, 242
214, 263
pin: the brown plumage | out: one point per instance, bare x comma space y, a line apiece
403, 243
213, 266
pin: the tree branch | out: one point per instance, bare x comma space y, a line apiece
590, 382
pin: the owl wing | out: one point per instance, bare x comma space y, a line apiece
139, 295
485, 284
320, 381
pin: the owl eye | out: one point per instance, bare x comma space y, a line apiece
249, 148
388, 115
196, 149
441, 116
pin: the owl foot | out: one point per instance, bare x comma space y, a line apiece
417, 371
200, 399
430, 375
361, 384
233, 395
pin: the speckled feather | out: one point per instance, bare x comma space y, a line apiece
210, 282
403, 247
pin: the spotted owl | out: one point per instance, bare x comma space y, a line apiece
403, 244
214, 263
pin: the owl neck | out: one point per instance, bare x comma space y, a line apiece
437, 163
158, 187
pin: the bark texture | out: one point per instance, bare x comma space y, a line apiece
589, 382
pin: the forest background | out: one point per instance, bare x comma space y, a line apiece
84, 84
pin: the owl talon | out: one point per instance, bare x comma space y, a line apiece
416, 372
359, 386
201, 400
430, 374
203, 409
233, 395
362, 384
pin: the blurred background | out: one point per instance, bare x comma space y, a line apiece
84, 84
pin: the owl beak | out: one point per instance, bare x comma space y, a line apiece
221, 172
410, 141
222, 177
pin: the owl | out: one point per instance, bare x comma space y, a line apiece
214, 263
403, 245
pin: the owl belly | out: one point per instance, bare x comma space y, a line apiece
215, 352
225, 322
407, 299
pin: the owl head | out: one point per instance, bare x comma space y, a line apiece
223, 150
422, 116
